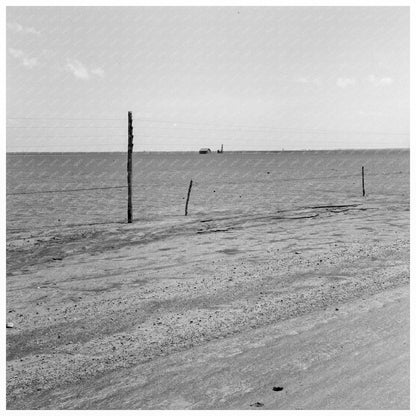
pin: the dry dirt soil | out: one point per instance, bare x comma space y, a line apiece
213, 313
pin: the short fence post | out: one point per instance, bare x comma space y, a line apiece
187, 198
130, 169
362, 177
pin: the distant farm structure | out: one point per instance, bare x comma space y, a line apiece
206, 150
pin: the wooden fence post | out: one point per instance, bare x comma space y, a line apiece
362, 177
187, 198
130, 169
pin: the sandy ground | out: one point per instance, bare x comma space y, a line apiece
213, 313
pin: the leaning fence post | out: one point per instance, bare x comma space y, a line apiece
187, 198
129, 169
362, 177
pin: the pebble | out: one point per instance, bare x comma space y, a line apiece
9, 325
277, 388
257, 404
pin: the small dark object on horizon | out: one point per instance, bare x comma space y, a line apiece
257, 404
277, 388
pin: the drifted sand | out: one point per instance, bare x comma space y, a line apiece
213, 312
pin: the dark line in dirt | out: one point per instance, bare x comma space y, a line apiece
333, 206
215, 230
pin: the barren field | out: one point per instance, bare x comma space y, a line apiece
213, 312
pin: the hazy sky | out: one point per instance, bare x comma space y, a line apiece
253, 78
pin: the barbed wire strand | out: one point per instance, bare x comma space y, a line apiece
176, 125
66, 190
125, 186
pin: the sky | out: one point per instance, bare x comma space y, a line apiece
251, 78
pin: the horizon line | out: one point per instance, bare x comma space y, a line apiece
213, 151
